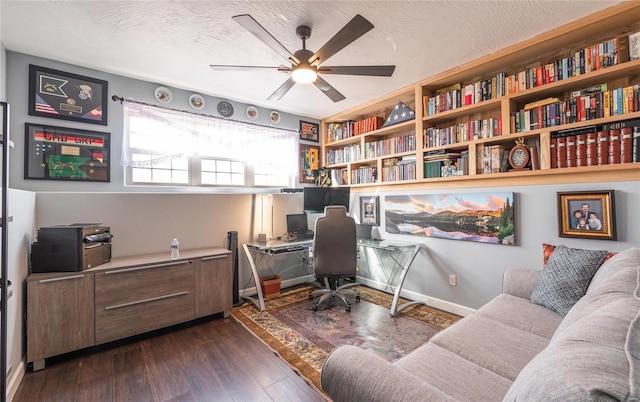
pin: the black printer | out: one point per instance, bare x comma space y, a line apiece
74, 247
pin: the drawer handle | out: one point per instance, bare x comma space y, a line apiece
121, 271
217, 257
146, 300
64, 278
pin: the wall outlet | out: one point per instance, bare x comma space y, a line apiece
453, 280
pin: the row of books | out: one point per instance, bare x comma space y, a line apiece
594, 146
582, 106
448, 165
390, 146
347, 154
405, 169
469, 131
339, 177
583, 61
341, 130
364, 175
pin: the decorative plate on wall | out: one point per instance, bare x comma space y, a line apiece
225, 109
196, 101
274, 117
163, 95
252, 113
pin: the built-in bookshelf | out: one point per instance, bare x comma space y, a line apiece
570, 83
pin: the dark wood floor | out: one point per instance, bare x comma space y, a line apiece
215, 360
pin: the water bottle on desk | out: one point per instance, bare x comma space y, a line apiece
175, 249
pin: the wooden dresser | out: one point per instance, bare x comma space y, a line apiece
127, 296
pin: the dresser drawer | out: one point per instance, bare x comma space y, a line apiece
134, 300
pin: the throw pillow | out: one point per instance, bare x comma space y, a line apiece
566, 278
547, 250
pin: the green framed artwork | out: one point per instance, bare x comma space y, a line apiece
309, 163
58, 153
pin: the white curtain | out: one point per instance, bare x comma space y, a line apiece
168, 134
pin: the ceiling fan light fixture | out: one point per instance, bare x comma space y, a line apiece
304, 74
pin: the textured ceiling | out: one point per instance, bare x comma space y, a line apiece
173, 42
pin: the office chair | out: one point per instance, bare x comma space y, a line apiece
334, 255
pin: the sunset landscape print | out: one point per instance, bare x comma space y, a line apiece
479, 217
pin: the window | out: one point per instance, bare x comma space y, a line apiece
169, 147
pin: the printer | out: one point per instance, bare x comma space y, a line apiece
74, 247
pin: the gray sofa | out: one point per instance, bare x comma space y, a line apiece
515, 350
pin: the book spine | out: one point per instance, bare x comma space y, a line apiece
571, 151
553, 147
581, 150
614, 146
626, 145
636, 144
603, 148
535, 162
592, 149
561, 148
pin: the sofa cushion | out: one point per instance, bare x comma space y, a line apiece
454, 375
585, 362
547, 250
566, 277
632, 349
615, 279
521, 314
490, 344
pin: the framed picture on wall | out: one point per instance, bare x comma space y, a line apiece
370, 210
58, 153
587, 214
60, 95
309, 163
309, 131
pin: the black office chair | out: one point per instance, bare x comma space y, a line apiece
334, 255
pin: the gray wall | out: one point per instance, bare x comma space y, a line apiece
17, 94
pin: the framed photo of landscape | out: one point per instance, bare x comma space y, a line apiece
587, 214
58, 153
66, 96
309, 131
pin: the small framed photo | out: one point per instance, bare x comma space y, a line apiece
309, 163
58, 153
309, 131
370, 210
587, 214
60, 95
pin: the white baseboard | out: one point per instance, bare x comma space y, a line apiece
13, 382
449, 307
443, 305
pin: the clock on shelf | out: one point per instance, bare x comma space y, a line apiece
519, 156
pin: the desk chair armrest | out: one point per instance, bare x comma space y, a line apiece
354, 374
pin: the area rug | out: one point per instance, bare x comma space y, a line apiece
303, 338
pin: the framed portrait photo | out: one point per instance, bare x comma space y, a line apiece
58, 153
587, 214
309, 163
309, 131
370, 210
60, 95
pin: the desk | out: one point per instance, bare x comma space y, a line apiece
395, 249
260, 250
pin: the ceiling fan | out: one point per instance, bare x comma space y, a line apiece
305, 64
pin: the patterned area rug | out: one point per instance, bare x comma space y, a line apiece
303, 337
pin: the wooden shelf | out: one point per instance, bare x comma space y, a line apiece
621, 19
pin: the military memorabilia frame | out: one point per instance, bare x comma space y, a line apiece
60, 95
58, 153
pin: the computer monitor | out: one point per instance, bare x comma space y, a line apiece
316, 198
297, 223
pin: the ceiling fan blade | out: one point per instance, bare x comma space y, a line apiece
284, 88
378, 71
251, 25
328, 90
354, 29
225, 67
